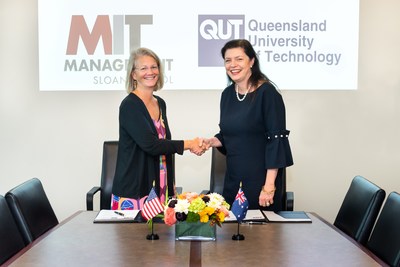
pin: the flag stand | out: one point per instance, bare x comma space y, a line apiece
239, 209
238, 236
151, 207
152, 236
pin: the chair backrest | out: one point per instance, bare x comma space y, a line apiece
218, 168
385, 238
31, 209
359, 209
217, 177
10, 238
110, 151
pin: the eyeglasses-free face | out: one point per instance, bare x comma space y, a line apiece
238, 64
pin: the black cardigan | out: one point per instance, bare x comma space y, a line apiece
139, 150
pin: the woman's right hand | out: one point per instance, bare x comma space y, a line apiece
195, 146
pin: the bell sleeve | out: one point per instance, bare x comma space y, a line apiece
277, 149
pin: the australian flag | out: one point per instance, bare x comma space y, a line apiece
240, 205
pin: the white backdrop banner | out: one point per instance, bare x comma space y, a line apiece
301, 44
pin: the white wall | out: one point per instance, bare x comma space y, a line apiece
335, 135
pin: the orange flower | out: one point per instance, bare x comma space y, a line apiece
190, 196
169, 216
224, 210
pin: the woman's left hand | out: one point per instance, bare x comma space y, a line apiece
266, 197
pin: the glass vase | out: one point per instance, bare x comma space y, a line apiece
195, 231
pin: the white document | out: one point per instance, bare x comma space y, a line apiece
251, 215
116, 216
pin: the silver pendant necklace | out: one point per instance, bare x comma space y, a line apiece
237, 93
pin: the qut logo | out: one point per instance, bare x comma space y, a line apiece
214, 32
112, 35
220, 29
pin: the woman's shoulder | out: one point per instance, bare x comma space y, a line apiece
268, 88
228, 89
129, 99
131, 103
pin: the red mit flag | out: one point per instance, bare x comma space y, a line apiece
152, 206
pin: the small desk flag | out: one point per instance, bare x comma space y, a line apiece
152, 206
240, 205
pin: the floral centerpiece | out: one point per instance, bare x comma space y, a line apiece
195, 215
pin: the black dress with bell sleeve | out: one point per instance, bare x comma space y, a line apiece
254, 137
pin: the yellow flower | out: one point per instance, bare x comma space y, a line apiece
221, 217
206, 211
204, 218
209, 210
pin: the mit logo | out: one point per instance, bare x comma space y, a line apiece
112, 35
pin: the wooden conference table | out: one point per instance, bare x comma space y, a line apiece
77, 241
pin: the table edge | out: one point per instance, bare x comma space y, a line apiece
40, 238
361, 247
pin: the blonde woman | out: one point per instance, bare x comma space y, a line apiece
145, 149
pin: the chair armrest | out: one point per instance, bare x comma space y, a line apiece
289, 201
89, 197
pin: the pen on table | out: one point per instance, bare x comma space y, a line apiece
255, 222
119, 213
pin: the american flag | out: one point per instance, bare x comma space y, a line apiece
152, 206
240, 205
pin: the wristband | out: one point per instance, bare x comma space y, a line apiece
268, 192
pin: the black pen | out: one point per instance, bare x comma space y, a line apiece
255, 222
119, 213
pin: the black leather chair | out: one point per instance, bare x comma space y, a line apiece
217, 177
31, 209
11, 240
359, 209
385, 238
109, 162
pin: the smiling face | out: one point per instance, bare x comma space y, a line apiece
146, 72
238, 65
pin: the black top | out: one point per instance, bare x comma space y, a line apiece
139, 150
254, 137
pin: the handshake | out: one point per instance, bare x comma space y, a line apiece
199, 145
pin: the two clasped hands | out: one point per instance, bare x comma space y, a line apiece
200, 145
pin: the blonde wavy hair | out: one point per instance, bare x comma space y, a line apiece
130, 83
